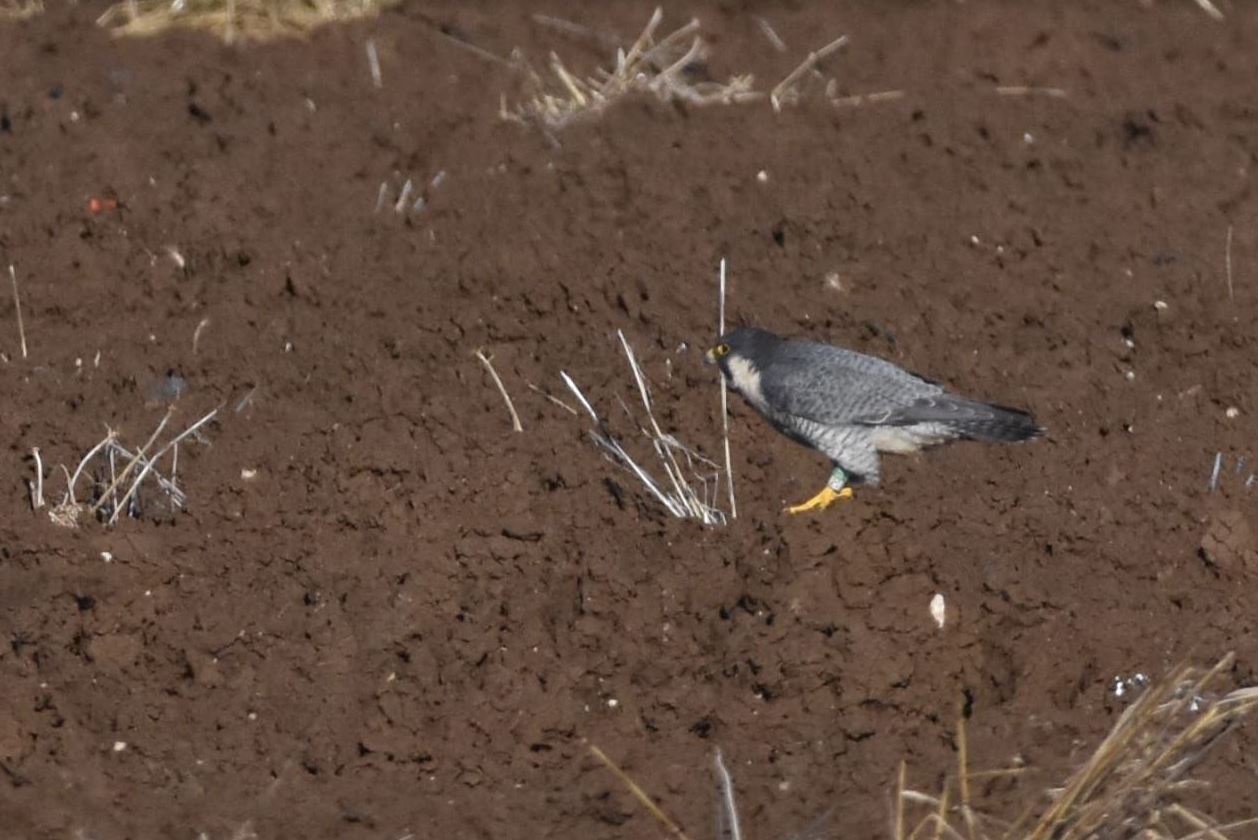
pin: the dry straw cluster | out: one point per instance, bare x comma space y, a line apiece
116, 476
231, 20
1136, 784
662, 68
692, 485
666, 69
20, 9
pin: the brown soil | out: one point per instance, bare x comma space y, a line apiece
412, 616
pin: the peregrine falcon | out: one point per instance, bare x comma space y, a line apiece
851, 406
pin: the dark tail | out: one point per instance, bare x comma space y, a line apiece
967, 418
996, 424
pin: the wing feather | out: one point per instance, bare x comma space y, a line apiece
837, 387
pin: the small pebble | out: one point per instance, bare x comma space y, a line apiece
762, 176
938, 609
119, 746
1232, 412
1159, 305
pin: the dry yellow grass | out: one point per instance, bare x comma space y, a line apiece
1135, 784
648, 66
233, 20
20, 9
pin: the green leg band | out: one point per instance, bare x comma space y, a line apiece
838, 479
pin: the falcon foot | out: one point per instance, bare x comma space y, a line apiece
822, 500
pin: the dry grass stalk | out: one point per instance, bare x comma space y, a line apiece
1227, 258
730, 828
729, 466
553, 399
502, 389
373, 63
196, 334
1210, 9
131, 464
639, 794
1023, 90
147, 466
249, 20
787, 90
17, 306
37, 486
771, 34
897, 826
867, 98
20, 9
659, 68
1127, 788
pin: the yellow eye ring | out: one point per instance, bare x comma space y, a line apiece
720, 350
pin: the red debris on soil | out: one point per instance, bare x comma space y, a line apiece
385, 612
96, 204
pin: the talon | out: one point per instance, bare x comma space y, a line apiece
822, 500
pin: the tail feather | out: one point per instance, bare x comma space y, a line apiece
997, 424
966, 418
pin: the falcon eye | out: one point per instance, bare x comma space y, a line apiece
720, 349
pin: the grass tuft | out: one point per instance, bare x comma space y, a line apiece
20, 9
663, 68
235, 20
689, 493
113, 493
1136, 783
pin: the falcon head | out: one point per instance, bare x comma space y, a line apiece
741, 354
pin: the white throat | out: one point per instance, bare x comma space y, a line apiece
745, 379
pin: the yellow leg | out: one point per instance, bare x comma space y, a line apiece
822, 500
